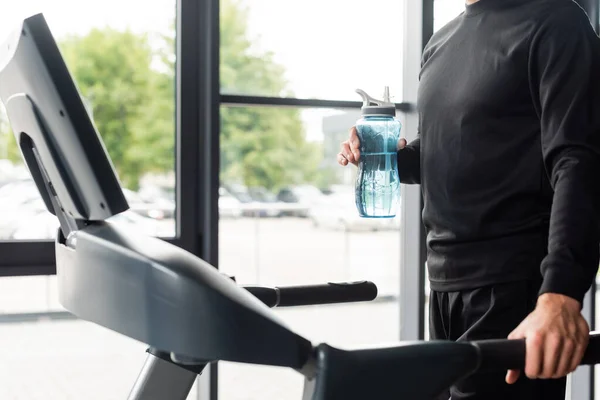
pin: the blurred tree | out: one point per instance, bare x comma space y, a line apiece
128, 80
260, 146
132, 101
8, 144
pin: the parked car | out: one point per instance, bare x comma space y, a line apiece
265, 203
229, 206
255, 202
42, 225
338, 211
159, 209
161, 197
17, 200
299, 199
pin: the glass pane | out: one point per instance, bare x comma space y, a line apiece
446, 10
48, 354
287, 217
122, 54
311, 49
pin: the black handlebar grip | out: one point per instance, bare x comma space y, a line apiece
501, 354
290, 296
510, 354
592, 353
329, 293
267, 295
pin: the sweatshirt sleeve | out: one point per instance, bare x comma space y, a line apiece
565, 83
409, 162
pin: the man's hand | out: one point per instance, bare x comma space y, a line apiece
556, 336
350, 151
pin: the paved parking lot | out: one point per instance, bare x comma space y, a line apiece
77, 360
71, 359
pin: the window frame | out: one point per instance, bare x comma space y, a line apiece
198, 104
197, 164
208, 387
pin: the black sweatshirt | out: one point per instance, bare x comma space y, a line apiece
508, 152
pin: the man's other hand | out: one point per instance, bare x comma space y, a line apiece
350, 151
556, 336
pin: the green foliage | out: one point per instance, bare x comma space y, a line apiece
129, 85
244, 70
8, 144
263, 147
132, 103
260, 146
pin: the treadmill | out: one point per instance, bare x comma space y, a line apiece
188, 313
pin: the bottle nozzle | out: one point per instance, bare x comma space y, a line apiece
368, 100
373, 106
386, 94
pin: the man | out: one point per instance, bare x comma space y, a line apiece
508, 158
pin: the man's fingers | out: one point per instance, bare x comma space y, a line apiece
348, 153
575, 359
518, 332
351, 154
353, 140
553, 347
354, 143
401, 144
512, 376
566, 359
342, 160
580, 346
534, 355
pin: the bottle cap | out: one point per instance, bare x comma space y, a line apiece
380, 107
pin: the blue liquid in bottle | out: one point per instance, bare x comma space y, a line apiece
377, 187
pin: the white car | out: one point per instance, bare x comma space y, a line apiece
229, 206
42, 225
338, 211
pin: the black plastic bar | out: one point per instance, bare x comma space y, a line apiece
510, 354
291, 296
501, 354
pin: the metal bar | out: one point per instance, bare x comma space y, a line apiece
592, 322
412, 263
27, 270
207, 17
31, 258
244, 100
21, 254
580, 385
427, 12
18, 318
162, 380
188, 63
582, 381
427, 33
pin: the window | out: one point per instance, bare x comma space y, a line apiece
445, 11
287, 217
287, 212
122, 55
311, 49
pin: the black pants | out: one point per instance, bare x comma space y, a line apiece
489, 313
